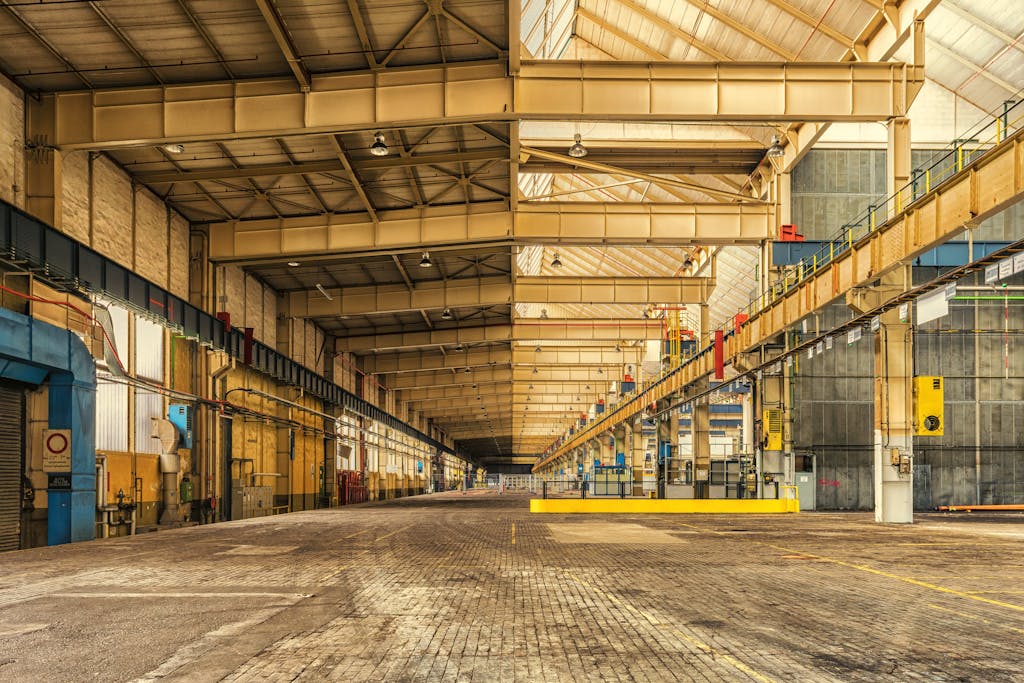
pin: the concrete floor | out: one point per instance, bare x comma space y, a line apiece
461, 588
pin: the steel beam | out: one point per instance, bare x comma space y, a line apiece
468, 292
498, 290
449, 378
503, 389
489, 223
612, 290
985, 187
531, 329
418, 361
471, 93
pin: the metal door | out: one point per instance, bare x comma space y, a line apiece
12, 426
923, 487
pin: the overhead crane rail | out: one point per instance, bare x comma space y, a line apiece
970, 190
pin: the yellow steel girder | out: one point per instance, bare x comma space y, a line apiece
417, 361
483, 91
532, 329
491, 223
498, 290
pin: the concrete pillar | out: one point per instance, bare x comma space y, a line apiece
667, 426
893, 433
771, 395
637, 454
700, 429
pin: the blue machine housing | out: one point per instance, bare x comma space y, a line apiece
180, 415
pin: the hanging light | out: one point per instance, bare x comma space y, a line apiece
446, 314
174, 147
379, 148
688, 261
531, 386
776, 149
556, 262
600, 371
425, 261
587, 387
537, 350
543, 314
618, 348
535, 371
577, 151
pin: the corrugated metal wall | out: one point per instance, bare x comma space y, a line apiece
833, 409
111, 415
149, 350
147, 405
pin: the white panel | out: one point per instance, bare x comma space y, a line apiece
111, 416
147, 405
149, 350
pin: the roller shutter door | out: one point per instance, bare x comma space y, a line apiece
12, 425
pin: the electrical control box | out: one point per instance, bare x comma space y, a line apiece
771, 425
180, 415
929, 414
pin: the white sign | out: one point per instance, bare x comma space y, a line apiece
820, 348
876, 323
828, 342
810, 352
1005, 268
57, 450
1018, 262
904, 312
991, 273
853, 335
950, 290
932, 306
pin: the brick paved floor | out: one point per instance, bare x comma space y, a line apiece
474, 588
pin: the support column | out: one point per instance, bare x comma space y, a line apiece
772, 410
71, 515
637, 454
700, 430
897, 163
893, 410
667, 426
44, 187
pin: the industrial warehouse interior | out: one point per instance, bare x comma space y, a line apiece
532, 340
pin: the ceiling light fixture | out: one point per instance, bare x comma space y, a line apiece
293, 264
556, 262
425, 261
535, 371
379, 148
600, 371
537, 350
174, 148
618, 348
688, 261
543, 314
446, 314
775, 150
320, 288
577, 151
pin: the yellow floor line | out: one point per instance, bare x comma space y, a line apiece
699, 644
397, 530
513, 533
879, 572
976, 618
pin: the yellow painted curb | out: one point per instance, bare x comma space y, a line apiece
647, 506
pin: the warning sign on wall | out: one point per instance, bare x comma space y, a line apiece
57, 450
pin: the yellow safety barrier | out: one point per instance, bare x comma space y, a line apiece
635, 506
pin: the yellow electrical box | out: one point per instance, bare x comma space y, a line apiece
771, 425
929, 415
